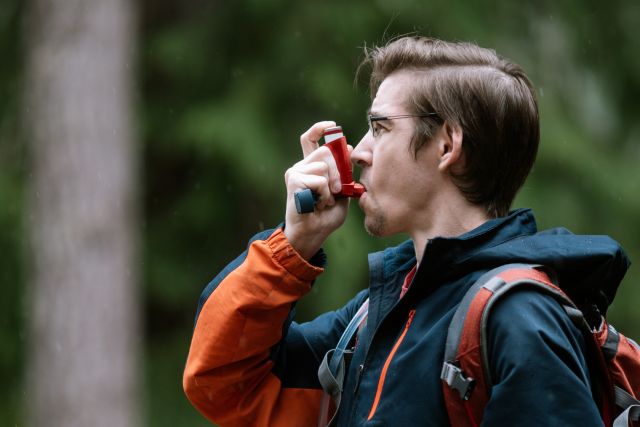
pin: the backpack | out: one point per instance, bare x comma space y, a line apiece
614, 360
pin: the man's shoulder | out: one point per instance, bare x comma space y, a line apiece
527, 308
527, 320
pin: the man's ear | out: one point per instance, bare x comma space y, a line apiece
450, 147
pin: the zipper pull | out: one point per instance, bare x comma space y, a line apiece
358, 376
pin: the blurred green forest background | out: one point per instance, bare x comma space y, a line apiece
224, 89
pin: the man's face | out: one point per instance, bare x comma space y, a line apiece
399, 185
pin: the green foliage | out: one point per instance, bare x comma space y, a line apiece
282, 67
226, 88
12, 173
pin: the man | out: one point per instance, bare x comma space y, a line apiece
453, 134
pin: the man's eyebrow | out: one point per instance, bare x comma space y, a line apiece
373, 113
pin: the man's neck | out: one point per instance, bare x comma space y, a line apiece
451, 221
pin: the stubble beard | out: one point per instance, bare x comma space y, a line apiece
375, 222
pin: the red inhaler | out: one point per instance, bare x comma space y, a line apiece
335, 141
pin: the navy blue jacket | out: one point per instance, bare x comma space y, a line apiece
536, 353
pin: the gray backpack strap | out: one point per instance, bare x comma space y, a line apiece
625, 400
451, 373
333, 367
632, 413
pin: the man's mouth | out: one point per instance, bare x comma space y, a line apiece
363, 195
364, 185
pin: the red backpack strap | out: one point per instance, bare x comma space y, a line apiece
621, 357
465, 373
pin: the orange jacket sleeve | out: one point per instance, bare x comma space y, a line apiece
229, 372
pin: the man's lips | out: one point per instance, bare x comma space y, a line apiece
363, 183
361, 198
366, 187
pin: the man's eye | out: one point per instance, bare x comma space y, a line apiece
377, 128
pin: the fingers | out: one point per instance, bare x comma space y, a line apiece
318, 170
313, 176
309, 139
329, 169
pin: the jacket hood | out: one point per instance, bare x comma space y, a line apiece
588, 268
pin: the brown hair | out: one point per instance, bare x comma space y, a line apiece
489, 97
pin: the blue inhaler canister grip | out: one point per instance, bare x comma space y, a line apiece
305, 201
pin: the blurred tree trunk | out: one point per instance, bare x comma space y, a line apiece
84, 342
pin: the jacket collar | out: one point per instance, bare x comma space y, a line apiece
443, 252
443, 256
449, 251
585, 265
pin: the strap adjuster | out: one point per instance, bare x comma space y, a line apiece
457, 380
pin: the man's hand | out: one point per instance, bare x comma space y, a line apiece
318, 172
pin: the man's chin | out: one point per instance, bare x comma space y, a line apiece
375, 225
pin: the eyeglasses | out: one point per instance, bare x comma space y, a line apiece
372, 119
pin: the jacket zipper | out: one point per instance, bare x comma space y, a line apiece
383, 374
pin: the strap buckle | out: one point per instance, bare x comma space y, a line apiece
457, 380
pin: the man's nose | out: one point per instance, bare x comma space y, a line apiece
361, 154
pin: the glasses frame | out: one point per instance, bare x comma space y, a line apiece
371, 119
